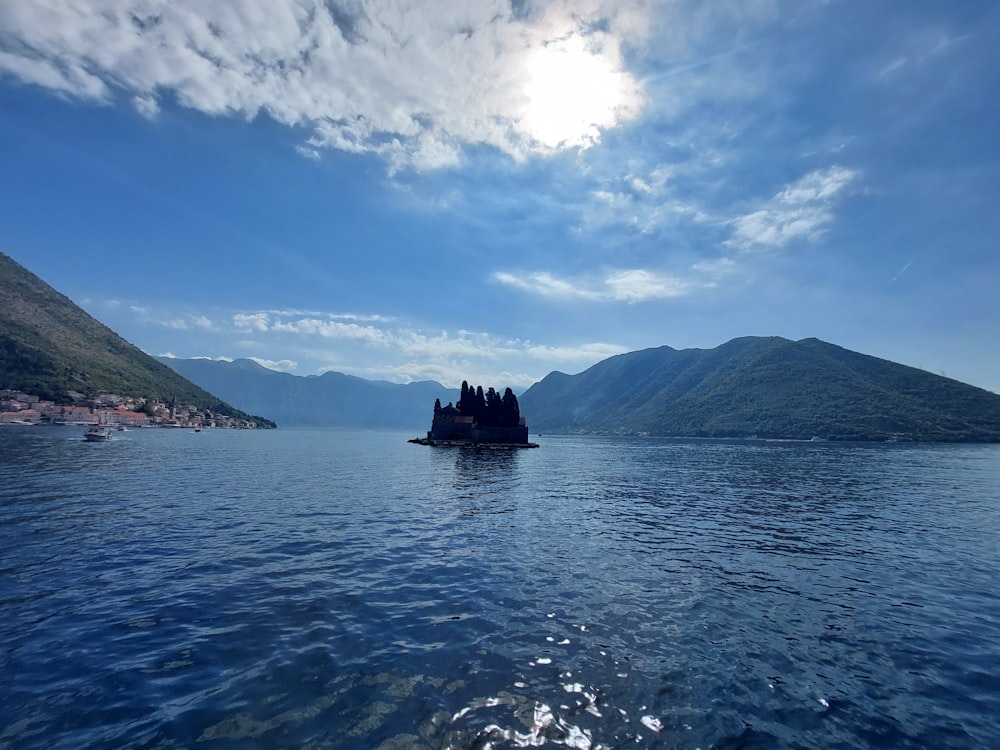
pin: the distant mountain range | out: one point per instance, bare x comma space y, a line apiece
328, 400
51, 348
764, 387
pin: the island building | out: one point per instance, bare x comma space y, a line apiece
479, 417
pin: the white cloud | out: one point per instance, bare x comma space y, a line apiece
623, 285
146, 105
545, 284
413, 82
168, 319
637, 285
802, 211
252, 321
281, 365
584, 352
330, 329
315, 341
451, 367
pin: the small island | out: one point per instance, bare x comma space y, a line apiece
479, 418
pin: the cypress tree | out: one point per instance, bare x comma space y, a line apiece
463, 402
511, 410
480, 404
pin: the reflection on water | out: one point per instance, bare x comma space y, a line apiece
331, 589
477, 479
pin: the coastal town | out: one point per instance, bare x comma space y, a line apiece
110, 410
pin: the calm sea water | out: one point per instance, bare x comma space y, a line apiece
327, 589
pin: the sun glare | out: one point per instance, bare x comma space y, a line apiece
572, 93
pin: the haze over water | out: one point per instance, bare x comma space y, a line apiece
330, 589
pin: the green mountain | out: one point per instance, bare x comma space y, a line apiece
765, 387
51, 348
332, 399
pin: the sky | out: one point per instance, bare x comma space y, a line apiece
495, 189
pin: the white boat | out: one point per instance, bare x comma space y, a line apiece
98, 434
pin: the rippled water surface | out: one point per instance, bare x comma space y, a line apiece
228, 589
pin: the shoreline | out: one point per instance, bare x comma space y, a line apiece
472, 443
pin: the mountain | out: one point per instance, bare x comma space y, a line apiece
51, 348
765, 387
328, 400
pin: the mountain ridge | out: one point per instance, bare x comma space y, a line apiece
765, 387
749, 386
52, 348
331, 399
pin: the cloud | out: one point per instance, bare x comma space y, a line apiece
146, 105
330, 329
624, 285
637, 285
282, 365
918, 47
802, 211
412, 82
584, 352
544, 284
645, 212
453, 364
183, 322
252, 321
318, 341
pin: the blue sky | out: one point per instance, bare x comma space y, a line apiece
493, 190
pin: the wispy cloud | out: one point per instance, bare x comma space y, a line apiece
901, 271
413, 82
584, 352
802, 211
623, 285
344, 341
919, 47
179, 322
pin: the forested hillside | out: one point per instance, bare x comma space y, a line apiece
51, 348
765, 387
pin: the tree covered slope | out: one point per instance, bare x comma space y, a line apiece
765, 387
51, 348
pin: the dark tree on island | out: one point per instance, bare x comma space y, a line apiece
489, 408
511, 410
479, 417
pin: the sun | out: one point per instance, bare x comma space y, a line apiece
572, 93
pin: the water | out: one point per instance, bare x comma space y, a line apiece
317, 589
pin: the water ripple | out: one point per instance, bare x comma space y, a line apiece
296, 589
